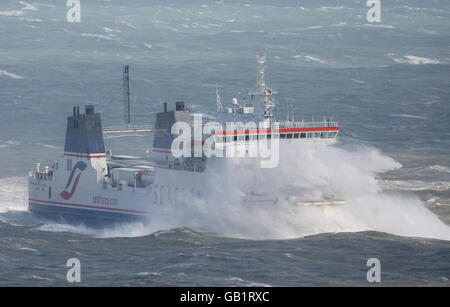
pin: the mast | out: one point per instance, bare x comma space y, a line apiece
126, 94
261, 93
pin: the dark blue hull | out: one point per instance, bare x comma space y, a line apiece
91, 218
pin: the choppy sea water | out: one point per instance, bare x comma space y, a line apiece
387, 84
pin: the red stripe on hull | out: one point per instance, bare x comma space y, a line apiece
87, 206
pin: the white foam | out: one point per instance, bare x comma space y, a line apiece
311, 172
314, 27
9, 74
45, 4
13, 194
379, 26
109, 30
150, 274
417, 185
29, 249
441, 168
136, 229
12, 13
126, 23
359, 81
339, 24
415, 60
41, 278
30, 19
315, 59
306, 173
101, 36
327, 8
318, 27
409, 116
28, 6
12, 142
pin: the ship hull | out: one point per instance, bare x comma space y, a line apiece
74, 215
97, 205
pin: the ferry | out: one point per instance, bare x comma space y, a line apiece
89, 184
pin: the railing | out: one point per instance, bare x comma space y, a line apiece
120, 131
303, 124
41, 176
128, 129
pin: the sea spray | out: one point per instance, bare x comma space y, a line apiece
307, 172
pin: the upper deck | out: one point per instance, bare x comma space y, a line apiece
240, 121
286, 130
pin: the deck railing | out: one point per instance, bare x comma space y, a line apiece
303, 124
41, 176
134, 128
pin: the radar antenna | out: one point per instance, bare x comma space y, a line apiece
262, 90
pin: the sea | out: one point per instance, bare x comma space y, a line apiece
386, 82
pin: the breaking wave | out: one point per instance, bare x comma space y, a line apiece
417, 185
415, 60
313, 173
306, 173
9, 74
13, 194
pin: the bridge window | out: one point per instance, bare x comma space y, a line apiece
296, 135
247, 137
269, 136
289, 135
302, 135
282, 136
235, 138
309, 135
